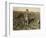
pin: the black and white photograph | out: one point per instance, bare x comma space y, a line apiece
26, 18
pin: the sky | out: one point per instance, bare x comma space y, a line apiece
24, 9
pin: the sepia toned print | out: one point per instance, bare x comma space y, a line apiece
26, 18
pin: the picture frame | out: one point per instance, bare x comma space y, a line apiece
9, 19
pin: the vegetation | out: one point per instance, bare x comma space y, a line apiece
19, 20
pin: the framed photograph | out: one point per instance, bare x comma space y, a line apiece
25, 18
